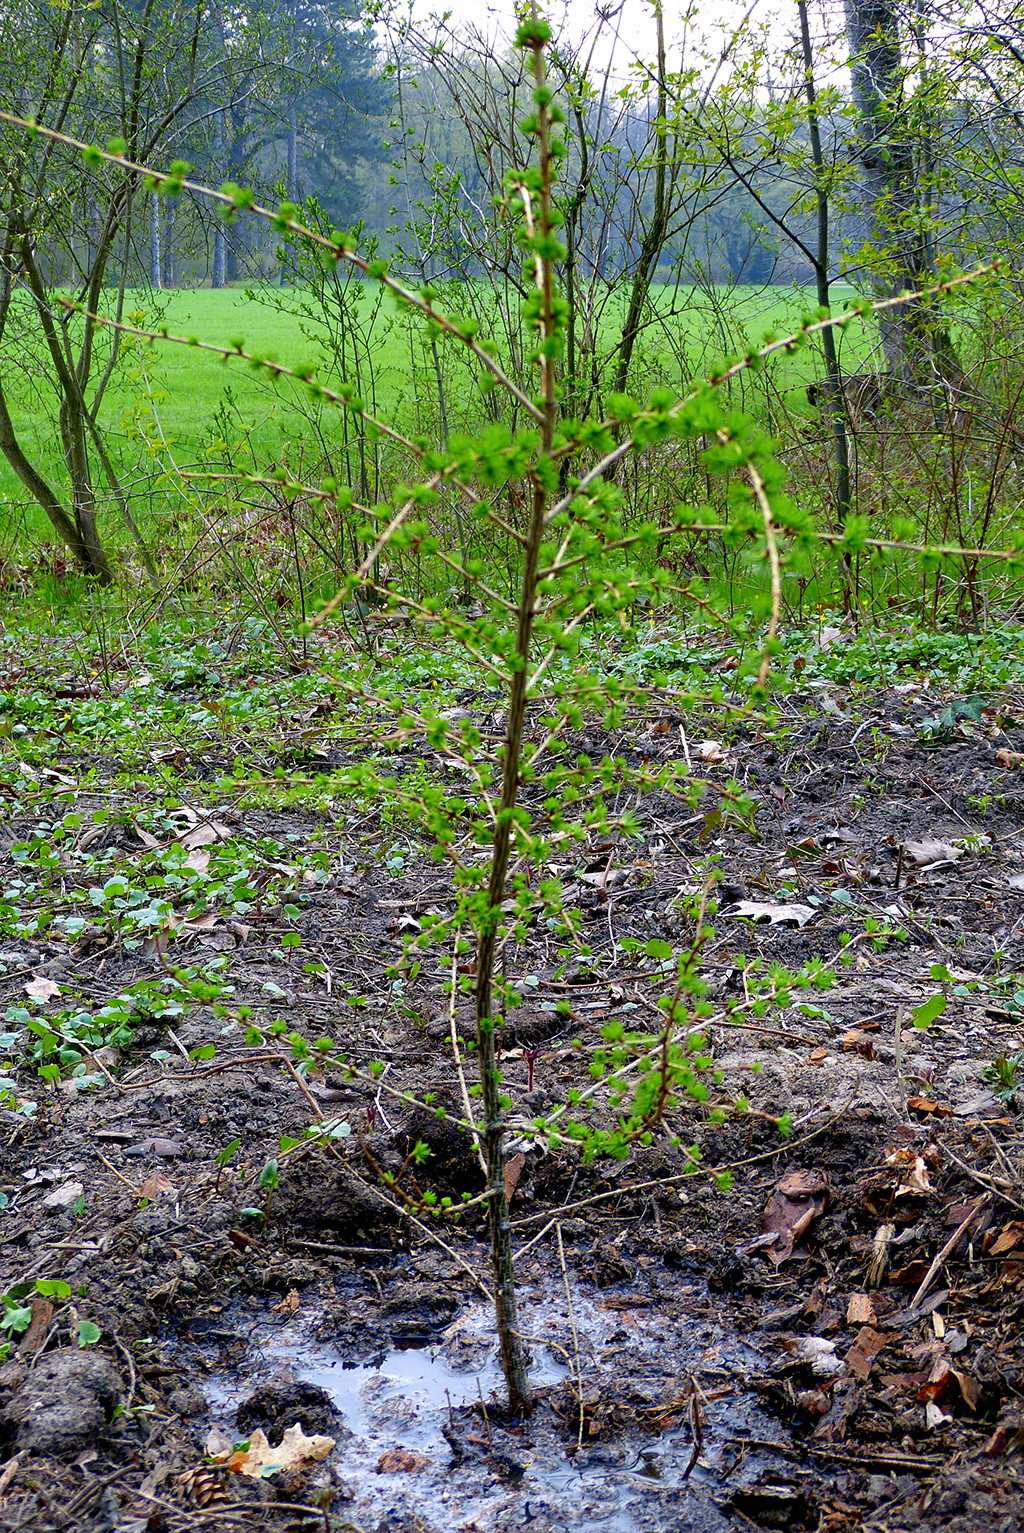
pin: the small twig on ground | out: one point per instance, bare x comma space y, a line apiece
130, 1185
453, 1034
575, 1333
487, 1424
697, 1425
125, 1353
425, 1229
929, 1277
1013, 1179
522, 1250
329, 1250
990, 1183
217, 1069
10, 1469
297, 1078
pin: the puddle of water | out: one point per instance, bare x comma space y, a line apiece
619, 1484
413, 1388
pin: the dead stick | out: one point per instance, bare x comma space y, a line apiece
297, 1078
424, 1229
698, 1433
130, 1185
575, 1335
929, 1277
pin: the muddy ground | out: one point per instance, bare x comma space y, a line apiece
833, 1342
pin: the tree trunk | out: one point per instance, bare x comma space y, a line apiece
822, 254
915, 337
220, 258
168, 272
156, 270
291, 180
219, 276
292, 183
77, 530
656, 232
79, 535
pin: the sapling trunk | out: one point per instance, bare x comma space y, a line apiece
513, 1358
538, 223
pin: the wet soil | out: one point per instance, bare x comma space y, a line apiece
833, 1342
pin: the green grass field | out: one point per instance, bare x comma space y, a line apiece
167, 403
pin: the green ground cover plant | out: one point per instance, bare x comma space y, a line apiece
143, 891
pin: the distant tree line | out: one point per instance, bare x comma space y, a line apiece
740, 167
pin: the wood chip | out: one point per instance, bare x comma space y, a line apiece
861, 1356
860, 1310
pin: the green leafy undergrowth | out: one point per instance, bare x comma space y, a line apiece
18, 1312
827, 649
83, 1046
163, 871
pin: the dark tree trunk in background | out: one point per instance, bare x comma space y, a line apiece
156, 269
895, 158
219, 276
168, 272
220, 258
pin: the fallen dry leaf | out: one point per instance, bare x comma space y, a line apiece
911, 1171
204, 834
41, 989
402, 1461
260, 1459
1009, 758
829, 635
38, 1329
928, 853
796, 1202
289, 1304
1009, 1236
606, 878
927, 1108
775, 915
970, 1389
513, 1171
201, 923
880, 1255
157, 1185
937, 1382
820, 1354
